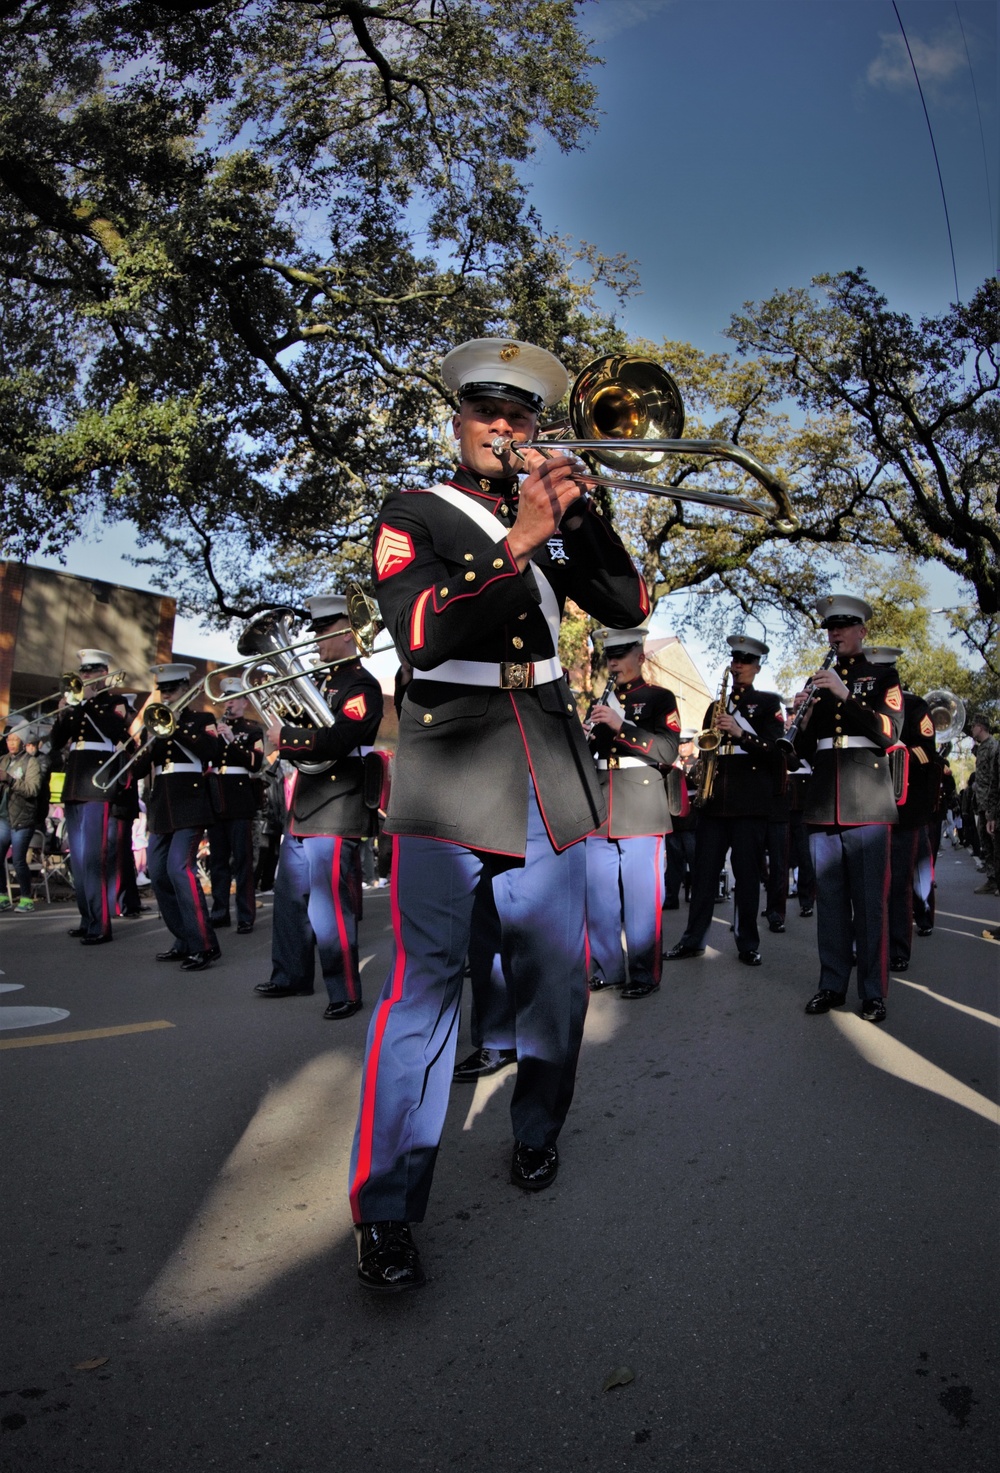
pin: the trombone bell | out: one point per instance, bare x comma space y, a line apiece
620, 397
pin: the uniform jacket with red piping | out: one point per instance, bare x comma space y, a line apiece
923, 784
449, 589
237, 791
749, 774
102, 718
332, 802
853, 785
637, 795
179, 799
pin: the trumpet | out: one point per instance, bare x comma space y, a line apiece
627, 413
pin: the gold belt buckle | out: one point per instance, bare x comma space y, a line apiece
840, 741
613, 763
516, 675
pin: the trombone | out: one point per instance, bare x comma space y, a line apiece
71, 689
159, 719
627, 413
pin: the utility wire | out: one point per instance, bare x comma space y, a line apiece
982, 139
937, 164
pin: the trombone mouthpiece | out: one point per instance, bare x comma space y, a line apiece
501, 443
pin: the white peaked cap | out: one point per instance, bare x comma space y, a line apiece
324, 606
615, 638
843, 606
882, 654
94, 657
505, 368
745, 644
166, 674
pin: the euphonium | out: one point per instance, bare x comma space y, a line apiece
293, 699
709, 742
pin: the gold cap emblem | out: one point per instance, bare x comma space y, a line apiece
508, 352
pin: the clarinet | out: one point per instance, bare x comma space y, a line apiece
600, 741
786, 743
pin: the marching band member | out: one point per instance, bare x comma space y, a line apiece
89, 733
734, 818
680, 841
634, 741
178, 812
915, 806
855, 717
317, 884
493, 785
230, 835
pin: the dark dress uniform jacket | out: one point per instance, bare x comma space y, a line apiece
237, 761
178, 799
746, 786
636, 795
449, 589
920, 799
852, 784
91, 730
332, 802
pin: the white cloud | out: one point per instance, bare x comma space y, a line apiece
607, 18
936, 61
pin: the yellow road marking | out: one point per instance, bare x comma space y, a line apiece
85, 1033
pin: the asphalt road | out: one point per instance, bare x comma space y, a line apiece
782, 1228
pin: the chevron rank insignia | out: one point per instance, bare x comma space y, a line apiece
894, 699
926, 726
393, 551
356, 708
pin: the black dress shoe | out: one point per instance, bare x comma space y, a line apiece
680, 952
218, 921
921, 931
640, 989
751, 958
899, 963
532, 1167
806, 912
271, 989
671, 905
197, 961
78, 933
873, 1010
95, 940
175, 954
600, 984
244, 928
388, 1260
342, 1010
483, 1062
826, 999
133, 915
776, 924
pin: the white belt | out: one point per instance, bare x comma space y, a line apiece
93, 746
240, 771
602, 763
827, 744
506, 675
178, 767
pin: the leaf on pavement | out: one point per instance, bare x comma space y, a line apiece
92, 1365
620, 1376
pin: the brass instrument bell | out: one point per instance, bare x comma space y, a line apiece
621, 397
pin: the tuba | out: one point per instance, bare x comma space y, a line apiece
290, 695
947, 714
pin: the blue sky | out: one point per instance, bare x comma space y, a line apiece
746, 147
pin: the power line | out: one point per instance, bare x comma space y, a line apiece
982, 139
937, 164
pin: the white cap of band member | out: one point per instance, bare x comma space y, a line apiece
842, 608
171, 674
128, 696
882, 654
688, 734
616, 639
504, 368
231, 685
94, 659
743, 644
325, 607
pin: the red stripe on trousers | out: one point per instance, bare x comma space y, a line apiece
369, 1084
